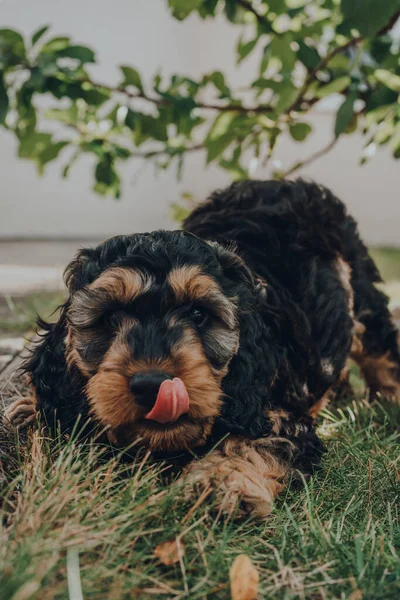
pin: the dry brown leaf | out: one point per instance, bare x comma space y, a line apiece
244, 579
356, 595
168, 552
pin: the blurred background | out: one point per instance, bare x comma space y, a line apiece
43, 220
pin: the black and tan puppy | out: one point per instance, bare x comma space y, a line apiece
240, 324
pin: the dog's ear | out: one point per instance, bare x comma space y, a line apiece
270, 365
232, 264
58, 388
81, 270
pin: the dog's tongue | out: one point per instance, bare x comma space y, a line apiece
172, 402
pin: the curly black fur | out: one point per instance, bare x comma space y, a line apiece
276, 252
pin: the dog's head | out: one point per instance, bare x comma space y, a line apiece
153, 324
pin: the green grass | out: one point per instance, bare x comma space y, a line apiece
388, 261
337, 537
18, 315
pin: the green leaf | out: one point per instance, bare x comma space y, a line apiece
55, 45
245, 48
218, 79
368, 16
107, 180
12, 47
39, 33
277, 6
286, 97
308, 55
207, 8
146, 126
333, 87
280, 48
396, 150
216, 147
33, 144
26, 111
50, 152
67, 115
234, 168
182, 8
131, 77
345, 114
231, 10
299, 131
71, 162
221, 124
95, 146
4, 101
268, 84
81, 53
105, 172
222, 133
95, 96
130, 119
179, 213
390, 80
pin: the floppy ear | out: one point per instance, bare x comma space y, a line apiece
81, 270
58, 388
232, 264
270, 366
90, 262
246, 385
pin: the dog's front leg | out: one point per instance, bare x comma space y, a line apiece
21, 412
246, 475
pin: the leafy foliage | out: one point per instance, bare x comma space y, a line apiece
307, 50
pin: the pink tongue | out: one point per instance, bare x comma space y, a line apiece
172, 402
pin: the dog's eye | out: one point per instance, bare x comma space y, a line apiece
198, 315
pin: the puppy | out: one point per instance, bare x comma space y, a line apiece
221, 342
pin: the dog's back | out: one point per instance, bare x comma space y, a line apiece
298, 238
277, 227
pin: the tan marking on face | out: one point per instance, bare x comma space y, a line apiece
122, 284
72, 355
114, 406
117, 284
190, 284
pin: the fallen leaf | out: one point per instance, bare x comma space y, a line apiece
244, 579
356, 595
168, 552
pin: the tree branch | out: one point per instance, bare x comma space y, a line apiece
349, 44
309, 160
261, 108
261, 19
164, 152
391, 23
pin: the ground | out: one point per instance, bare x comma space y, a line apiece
69, 517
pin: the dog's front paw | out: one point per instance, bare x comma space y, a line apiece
21, 412
237, 487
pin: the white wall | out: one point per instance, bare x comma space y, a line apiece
142, 33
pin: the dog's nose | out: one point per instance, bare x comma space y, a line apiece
145, 386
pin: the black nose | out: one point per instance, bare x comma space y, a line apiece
145, 387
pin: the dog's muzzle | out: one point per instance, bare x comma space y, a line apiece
167, 397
